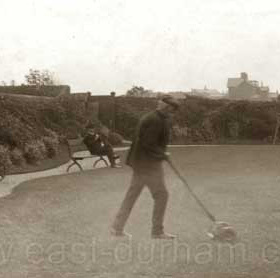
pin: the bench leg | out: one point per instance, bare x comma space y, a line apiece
100, 159
74, 163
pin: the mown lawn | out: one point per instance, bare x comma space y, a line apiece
58, 226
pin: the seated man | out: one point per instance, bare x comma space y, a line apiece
98, 144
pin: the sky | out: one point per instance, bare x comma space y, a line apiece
162, 45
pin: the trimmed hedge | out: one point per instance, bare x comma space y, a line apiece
47, 91
202, 120
115, 139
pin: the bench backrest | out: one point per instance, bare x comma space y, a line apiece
75, 145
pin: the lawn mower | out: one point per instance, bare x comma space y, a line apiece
219, 230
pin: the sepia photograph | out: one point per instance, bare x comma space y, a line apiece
139, 139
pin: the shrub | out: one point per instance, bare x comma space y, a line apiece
14, 132
115, 139
50, 133
178, 134
16, 156
34, 151
259, 129
5, 162
42, 148
51, 144
178, 131
57, 138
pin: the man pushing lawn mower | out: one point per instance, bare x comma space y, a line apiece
147, 152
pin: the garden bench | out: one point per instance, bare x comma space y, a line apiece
75, 145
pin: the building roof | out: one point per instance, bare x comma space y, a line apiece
234, 82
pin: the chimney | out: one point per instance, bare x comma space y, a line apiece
244, 76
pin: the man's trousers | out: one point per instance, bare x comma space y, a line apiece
153, 178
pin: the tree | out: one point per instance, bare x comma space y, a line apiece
47, 77
136, 91
40, 78
33, 78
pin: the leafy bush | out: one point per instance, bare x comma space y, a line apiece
34, 151
259, 129
50, 133
42, 148
115, 139
14, 132
178, 131
51, 144
16, 156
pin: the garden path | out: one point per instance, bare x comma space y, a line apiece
11, 181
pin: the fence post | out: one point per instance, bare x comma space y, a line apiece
113, 119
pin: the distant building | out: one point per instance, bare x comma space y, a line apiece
243, 88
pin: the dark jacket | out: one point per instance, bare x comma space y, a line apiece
150, 141
93, 143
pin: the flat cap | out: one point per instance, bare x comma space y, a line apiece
171, 101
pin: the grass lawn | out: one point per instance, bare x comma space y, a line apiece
58, 226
